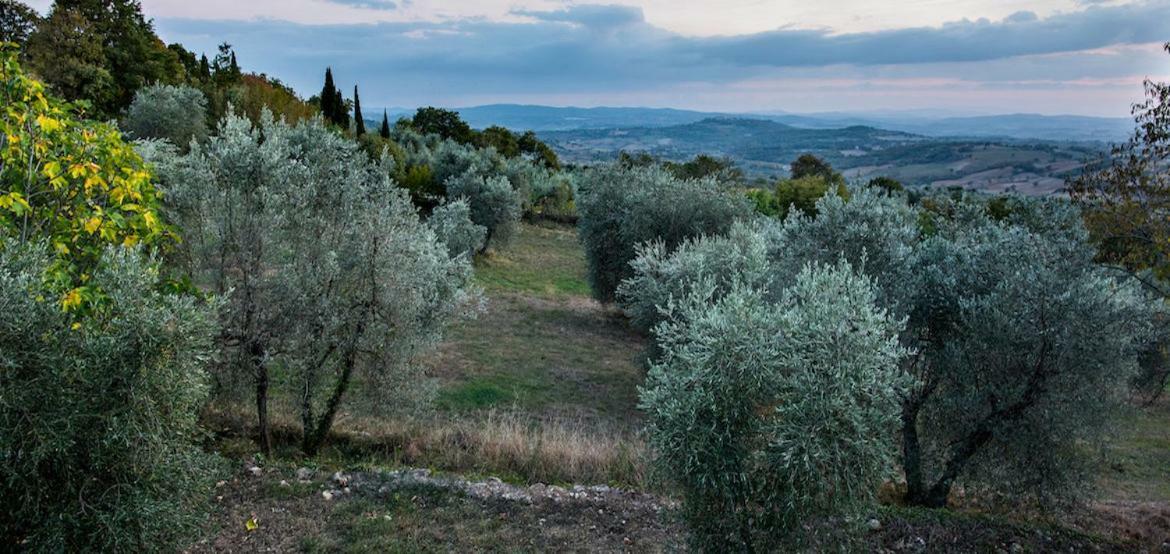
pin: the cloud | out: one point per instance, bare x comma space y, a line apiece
367, 4
960, 41
609, 50
1023, 16
589, 15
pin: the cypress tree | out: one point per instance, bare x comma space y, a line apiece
204, 69
234, 68
329, 95
385, 132
342, 112
359, 125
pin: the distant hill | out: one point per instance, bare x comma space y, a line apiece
765, 148
1018, 126
546, 118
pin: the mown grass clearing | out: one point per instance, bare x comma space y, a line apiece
542, 259
543, 348
550, 358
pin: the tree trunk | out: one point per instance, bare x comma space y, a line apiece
261, 367
936, 497
487, 241
306, 417
315, 437
912, 451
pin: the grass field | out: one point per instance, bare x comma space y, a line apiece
543, 348
564, 358
1139, 457
543, 260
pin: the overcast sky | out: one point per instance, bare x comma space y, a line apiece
973, 56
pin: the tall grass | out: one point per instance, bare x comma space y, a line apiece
512, 446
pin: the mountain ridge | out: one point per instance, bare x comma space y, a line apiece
1010, 125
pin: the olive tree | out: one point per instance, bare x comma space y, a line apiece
873, 231
720, 261
1025, 349
494, 204
175, 113
226, 198
766, 413
1022, 345
622, 207
325, 264
451, 223
450, 160
99, 438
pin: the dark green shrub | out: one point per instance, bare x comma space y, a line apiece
98, 431
803, 193
175, 113
622, 207
557, 204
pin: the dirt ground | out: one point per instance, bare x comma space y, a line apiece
414, 511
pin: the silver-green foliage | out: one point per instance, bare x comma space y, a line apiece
765, 413
620, 208
722, 261
177, 113
1023, 346
449, 160
99, 441
495, 205
1027, 347
873, 231
452, 224
328, 269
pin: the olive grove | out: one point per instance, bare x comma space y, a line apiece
1016, 346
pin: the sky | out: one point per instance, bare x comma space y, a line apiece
1085, 57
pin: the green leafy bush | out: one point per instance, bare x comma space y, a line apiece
767, 414
803, 193
70, 182
98, 432
177, 114
622, 207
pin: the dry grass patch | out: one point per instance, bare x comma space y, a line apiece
515, 447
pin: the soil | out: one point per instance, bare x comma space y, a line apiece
413, 510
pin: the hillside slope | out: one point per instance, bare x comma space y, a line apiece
765, 148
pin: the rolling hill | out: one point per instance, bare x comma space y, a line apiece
764, 148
